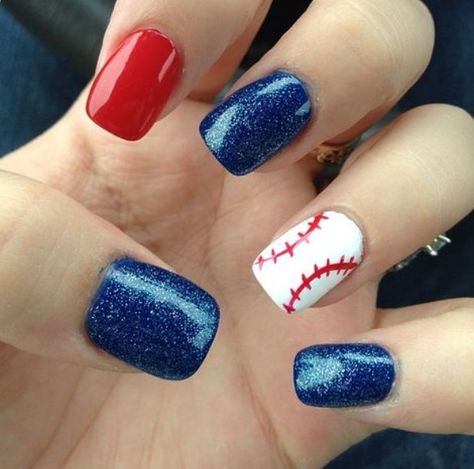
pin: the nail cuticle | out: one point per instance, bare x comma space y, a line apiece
393, 394
311, 90
391, 400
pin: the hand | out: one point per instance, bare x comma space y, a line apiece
61, 405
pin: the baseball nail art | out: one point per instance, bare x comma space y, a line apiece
152, 319
257, 121
343, 375
310, 259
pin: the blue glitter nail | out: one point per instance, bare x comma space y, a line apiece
257, 121
343, 375
152, 319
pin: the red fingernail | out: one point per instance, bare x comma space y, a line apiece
133, 86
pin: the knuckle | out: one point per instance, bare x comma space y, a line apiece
391, 41
370, 37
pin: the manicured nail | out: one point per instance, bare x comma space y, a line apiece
257, 121
343, 375
312, 258
152, 319
133, 86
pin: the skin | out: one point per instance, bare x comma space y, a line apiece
240, 408
241, 405
174, 205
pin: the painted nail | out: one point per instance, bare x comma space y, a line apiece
152, 319
343, 375
133, 86
310, 259
257, 121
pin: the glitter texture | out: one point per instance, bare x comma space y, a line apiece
343, 375
152, 319
257, 121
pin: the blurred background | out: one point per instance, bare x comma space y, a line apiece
48, 54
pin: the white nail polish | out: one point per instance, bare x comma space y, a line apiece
310, 259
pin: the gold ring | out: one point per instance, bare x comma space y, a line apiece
334, 154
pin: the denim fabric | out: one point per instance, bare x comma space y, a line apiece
37, 87
449, 75
394, 449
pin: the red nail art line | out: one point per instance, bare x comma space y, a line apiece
306, 282
134, 85
313, 225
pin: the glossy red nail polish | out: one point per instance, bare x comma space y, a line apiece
133, 86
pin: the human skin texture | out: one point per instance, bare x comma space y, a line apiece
171, 200
164, 200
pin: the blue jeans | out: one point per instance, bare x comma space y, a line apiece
37, 87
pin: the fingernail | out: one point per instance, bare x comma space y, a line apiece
257, 121
309, 260
343, 375
133, 86
152, 319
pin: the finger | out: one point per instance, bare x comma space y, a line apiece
154, 52
395, 198
339, 62
221, 72
393, 317
71, 289
416, 376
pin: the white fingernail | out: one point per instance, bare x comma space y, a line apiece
310, 259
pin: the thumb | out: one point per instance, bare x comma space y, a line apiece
73, 286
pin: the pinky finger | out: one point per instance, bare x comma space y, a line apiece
415, 376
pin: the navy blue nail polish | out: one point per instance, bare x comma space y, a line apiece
152, 319
257, 121
343, 375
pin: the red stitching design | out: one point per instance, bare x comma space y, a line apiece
342, 266
313, 225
